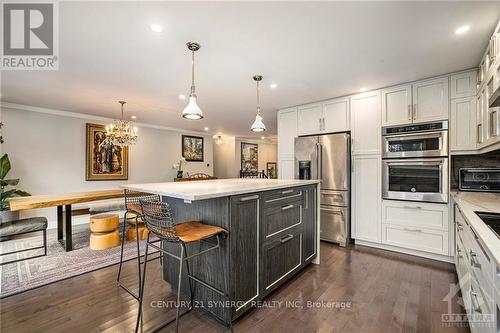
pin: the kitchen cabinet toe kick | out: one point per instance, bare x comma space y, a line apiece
266, 246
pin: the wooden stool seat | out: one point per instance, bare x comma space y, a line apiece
106, 240
133, 218
132, 233
193, 231
104, 222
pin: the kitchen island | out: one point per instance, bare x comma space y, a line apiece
273, 229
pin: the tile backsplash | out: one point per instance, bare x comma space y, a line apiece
488, 160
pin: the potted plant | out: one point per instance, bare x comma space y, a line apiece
5, 194
178, 166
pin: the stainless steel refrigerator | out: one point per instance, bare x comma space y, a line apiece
328, 158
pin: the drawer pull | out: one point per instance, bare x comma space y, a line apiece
413, 207
473, 299
287, 207
253, 197
458, 253
287, 192
459, 227
286, 238
473, 261
332, 195
412, 230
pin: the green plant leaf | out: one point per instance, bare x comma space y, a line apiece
7, 194
22, 193
4, 166
11, 182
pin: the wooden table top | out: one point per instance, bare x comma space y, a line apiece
51, 200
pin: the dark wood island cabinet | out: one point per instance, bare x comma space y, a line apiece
273, 234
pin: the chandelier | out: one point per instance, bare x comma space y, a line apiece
121, 132
258, 124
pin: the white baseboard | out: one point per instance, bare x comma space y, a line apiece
427, 255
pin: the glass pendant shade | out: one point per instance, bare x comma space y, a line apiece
258, 125
192, 110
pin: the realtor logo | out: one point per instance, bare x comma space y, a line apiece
29, 36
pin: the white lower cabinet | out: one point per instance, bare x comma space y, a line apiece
476, 273
366, 197
417, 226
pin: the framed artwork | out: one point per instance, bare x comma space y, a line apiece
271, 170
192, 148
104, 161
249, 156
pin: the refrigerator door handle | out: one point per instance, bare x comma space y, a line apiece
319, 154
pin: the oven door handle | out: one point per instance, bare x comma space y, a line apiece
407, 136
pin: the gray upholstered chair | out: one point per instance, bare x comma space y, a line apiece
20, 227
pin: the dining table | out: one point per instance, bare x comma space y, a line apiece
63, 203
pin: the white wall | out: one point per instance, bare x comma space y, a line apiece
227, 156
225, 163
47, 153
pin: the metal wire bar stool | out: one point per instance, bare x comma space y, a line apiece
159, 221
133, 212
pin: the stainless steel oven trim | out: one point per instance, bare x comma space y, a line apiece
441, 197
441, 135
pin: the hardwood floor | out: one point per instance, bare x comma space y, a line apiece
381, 292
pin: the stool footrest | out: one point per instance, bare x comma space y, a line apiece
218, 291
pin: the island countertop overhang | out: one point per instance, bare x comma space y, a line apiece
208, 189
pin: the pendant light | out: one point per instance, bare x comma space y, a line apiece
192, 110
258, 125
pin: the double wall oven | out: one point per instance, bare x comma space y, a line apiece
415, 162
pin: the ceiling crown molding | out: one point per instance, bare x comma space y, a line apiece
105, 120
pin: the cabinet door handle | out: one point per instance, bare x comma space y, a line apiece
409, 112
286, 238
413, 207
253, 197
319, 120
473, 299
479, 134
473, 260
287, 207
287, 192
415, 111
458, 253
493, 123
412, 230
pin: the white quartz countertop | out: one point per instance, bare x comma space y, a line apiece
208, 189
470, 202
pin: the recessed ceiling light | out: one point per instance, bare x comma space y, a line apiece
273, 85
206, 128
156, 28
362, 89
133, 117
463, 29
262, 137
181, 96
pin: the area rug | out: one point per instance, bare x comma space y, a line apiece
58, 264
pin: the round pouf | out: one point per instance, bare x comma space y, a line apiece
105, 240
104, 223
103, 231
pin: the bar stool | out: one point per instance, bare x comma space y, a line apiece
132, 217
159, 221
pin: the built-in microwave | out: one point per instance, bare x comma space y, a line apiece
416, 140
415, 179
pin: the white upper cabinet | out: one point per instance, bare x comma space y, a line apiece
430, 100
366, 123
396, 105
336, 115
326, 117
463, 84
463, 124
310, 119
287, 131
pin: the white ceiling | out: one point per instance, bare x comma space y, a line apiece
313, 51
